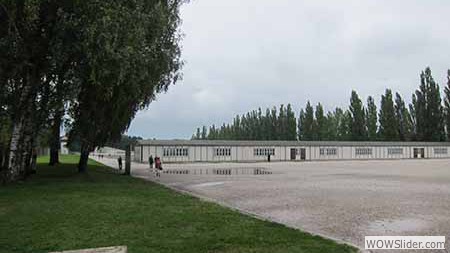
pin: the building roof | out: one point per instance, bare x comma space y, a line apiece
282, 143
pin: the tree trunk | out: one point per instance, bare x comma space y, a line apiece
27, 161
26, 156
20, 150
31, 166
28, 141
55, 138
15, 154
3, 163
33, 162
128, 160
54, 156
82, 164
2, 156
22, 134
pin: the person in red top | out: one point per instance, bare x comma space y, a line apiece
158, 166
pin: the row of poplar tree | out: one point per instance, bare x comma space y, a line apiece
90, 65
426, 118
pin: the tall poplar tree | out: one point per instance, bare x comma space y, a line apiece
237, 128
403, 119
358, 124
428, 109
345, 127
321, 123
301, 125
274, 123
197, 135
309, 122
371, 119
291, 123
259, 125
204, 133
447, 106
388, 122
268, 125
413, 115
282, 124
331, 127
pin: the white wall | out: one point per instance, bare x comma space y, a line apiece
282, 153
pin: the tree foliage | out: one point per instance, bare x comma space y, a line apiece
428, 109
358, 125
309, 124
447, 105
371, 119
98, 61
33, 37
388, 121
403, 119
123, 71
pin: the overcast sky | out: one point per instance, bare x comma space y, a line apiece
245, 54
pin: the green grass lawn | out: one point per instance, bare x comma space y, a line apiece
58, 209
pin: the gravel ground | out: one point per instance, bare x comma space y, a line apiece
345, 200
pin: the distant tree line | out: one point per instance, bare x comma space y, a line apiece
124, 142
427, 118
272, 125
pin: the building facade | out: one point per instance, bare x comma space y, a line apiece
254, 151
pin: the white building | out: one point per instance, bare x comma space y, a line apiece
252, 151
109, 152
63, 149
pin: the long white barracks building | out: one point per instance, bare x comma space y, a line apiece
252, 151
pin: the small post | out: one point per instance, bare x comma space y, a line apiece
128, 160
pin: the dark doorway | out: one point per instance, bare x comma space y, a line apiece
419, 152
293, 153
302, 154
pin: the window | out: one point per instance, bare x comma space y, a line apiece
331, 151
263, 151
395, 151
328, 151
440, 151
222, 151
175, 152
363, 151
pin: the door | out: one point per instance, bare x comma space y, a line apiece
293, 153
416, 153
303, 154
419, 152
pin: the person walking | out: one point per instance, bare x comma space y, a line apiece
119, 160
150, 161
158, 166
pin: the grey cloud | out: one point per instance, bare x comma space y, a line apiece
241, 55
